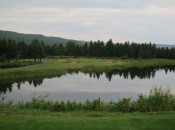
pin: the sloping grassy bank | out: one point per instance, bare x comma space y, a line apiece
60, 66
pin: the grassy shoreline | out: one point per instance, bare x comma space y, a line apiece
59, 66
158, 99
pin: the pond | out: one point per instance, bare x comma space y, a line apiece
80, 86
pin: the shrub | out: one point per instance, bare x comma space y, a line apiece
58, 106
94, 105
158, 100
124, 105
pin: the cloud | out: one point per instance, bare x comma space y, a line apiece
86, 3
92, 20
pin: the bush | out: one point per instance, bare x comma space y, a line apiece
124, 105
158, 100
94, 105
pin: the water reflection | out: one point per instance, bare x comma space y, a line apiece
7, 85
36, 82
131, 73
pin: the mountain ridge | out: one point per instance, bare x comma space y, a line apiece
28, 38
164, 46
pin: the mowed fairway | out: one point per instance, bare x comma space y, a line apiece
59, 66
67, 121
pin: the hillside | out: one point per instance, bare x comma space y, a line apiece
29, 37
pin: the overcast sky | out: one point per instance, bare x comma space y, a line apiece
120, 20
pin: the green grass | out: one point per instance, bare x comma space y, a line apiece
59, 66
14, 64
86, 121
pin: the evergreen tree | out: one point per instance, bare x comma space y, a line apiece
109, 48
11, 49
70, 46
141, 53
22, 49
36, 50
91, 49
3, 50
78, 51
61, 50
85, 50
54, 50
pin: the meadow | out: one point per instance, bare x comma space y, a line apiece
57, 66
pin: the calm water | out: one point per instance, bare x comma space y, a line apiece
79, 86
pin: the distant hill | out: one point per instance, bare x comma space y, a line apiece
164, 45
28, 38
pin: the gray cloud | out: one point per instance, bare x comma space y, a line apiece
137, 21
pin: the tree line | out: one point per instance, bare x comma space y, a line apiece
100, 49
10, 49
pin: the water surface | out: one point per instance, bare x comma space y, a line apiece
80, 86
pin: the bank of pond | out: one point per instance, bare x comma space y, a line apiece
158, 99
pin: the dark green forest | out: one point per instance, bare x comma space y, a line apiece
18, 50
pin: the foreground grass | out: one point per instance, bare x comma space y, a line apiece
40, 120
60, 66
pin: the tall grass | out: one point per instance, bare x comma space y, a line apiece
157, 100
